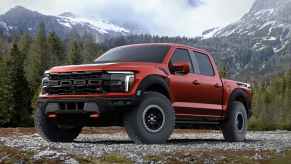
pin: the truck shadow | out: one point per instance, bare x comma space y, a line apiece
170, 142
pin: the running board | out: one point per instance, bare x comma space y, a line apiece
186, 124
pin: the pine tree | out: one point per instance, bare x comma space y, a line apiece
37, 60
55, 48
288, 100
42, 45
90, 50
74, 53
18, 88
5, 110
24, 44
4, 46
24, 47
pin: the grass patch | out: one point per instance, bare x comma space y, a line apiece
114, 158
284, 158
10, 155
222, 157
86, 160
152, 158
238, 159
105, 159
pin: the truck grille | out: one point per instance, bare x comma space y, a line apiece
76, 83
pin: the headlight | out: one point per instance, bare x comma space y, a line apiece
45, 79
119, 81
44, 82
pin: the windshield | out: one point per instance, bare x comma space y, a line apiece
140, 53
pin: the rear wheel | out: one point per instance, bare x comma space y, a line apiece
235, 127
50, 131
152, 122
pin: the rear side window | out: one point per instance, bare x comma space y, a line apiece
181, 55
203, 64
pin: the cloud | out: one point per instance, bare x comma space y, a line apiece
172, 17
163, 17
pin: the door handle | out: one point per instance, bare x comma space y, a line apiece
195, 82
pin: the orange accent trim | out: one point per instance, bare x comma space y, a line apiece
193, 115
197, 105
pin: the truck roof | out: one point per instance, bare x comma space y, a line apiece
169, 44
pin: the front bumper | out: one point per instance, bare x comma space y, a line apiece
85, 105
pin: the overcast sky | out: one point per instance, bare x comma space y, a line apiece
164, 17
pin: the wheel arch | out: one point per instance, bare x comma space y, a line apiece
155, 83
241, 96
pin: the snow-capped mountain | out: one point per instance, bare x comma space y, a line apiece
258, 43
268, 22
20, 19
69, 20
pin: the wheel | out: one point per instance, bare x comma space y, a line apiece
50, 131
234, 129
152, 121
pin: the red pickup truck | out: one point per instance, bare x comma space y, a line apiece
149, 89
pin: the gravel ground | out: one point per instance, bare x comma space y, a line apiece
186, 142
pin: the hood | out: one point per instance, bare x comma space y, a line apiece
126, 66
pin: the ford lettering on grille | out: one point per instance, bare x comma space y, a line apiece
75, 83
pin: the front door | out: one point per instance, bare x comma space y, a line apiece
180, 83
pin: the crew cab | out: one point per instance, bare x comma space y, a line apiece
150, 89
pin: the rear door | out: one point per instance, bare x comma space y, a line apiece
207, 85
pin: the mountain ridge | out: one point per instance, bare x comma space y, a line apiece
20, 19
264, 32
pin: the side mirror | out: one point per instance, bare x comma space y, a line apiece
181, 67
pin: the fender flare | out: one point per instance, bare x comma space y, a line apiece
245, 99
152, 80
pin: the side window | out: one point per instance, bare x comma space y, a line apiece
202, 63
180, 55
194, 62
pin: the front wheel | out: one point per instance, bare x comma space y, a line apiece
50, 131
153, 121
235, 127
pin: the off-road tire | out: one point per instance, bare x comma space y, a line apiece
50, 131
234, 128
137, 126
